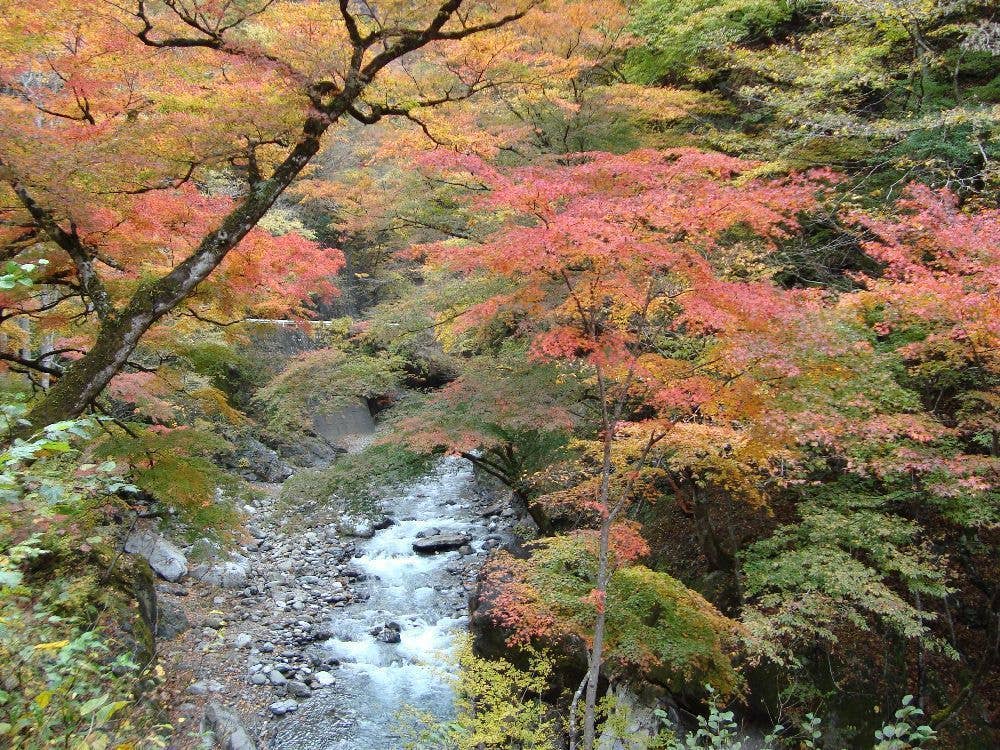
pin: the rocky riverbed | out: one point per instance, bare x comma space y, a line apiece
316, 634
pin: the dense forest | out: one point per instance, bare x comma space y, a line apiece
499, 374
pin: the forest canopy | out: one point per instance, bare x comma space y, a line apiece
707, 293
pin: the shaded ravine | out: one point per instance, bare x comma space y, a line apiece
421, 594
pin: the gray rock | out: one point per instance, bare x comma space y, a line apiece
322, 632
358, 526
431, 545
323, 678
298, 689
214, 622
276, 678
230, 734
388, 633
255, 461
280, 708
242, 640
171, 621
163, 557
258, 679
494, 510
204, 687
229, 574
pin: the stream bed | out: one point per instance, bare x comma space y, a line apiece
420, 596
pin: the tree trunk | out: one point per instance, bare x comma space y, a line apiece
120, 332
604, 499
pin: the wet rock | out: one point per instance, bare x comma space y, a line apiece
384, 523
465, 550
388, 633
494, 510
171, 621
428, 532
431, 545
166, 560
230, 734
322, 632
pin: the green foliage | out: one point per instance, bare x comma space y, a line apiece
230, 370
356, 483
498, 706
19, 274
683, 39
884, 90
654, 623
840, 565
719, 731
174, 467
327, 379
67, 680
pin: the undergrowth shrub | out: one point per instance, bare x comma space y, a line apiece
497, 706
355, 483
72, 641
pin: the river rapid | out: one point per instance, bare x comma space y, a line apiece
422, 596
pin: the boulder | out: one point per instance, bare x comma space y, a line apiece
171, 621
388, 633
255, 461
280, 708
166, 560
430, 545
229, 574
230, 734
357, 526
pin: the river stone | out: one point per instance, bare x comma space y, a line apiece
163, 557
276, 678
230, 734
358, 526
298, 689
323, 678
229, 574
171, 620
430, 545
203, 687
280, 708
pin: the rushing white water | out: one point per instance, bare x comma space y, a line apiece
417, 592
